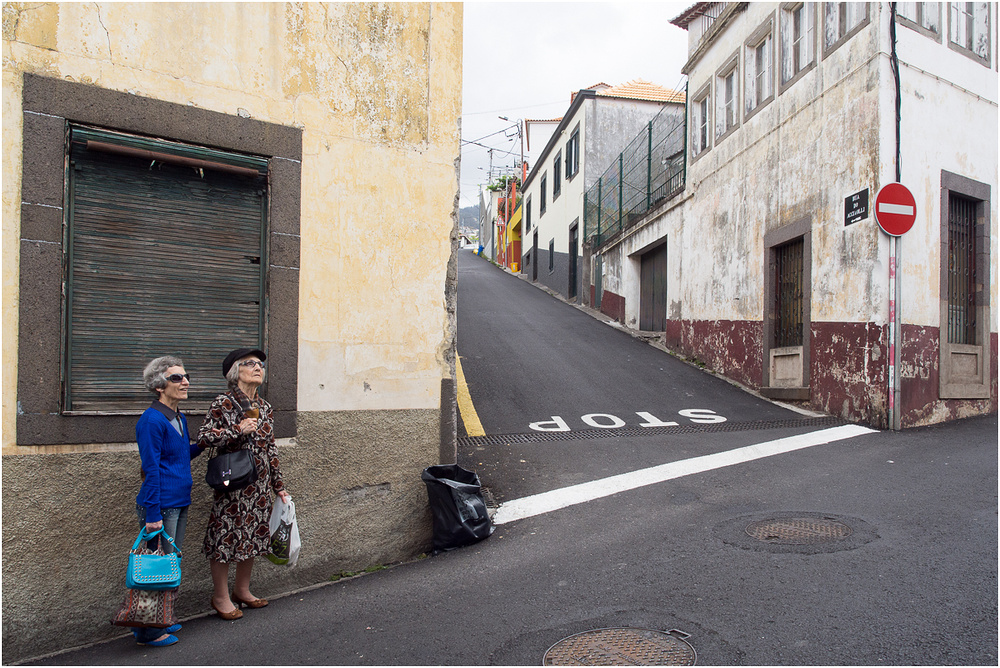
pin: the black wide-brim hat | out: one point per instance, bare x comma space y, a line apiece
239, 354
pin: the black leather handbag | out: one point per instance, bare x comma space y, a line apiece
229, 471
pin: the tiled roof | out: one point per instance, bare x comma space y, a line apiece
639, 89
690, 14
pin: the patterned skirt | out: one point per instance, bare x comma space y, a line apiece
238, 525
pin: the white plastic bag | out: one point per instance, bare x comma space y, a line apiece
285, 541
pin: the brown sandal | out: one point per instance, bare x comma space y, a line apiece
256, 603
228, 616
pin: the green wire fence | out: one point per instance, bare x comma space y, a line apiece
648, 171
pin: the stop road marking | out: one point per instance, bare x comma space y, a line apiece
609, 421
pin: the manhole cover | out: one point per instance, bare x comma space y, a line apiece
798, 530
622, 647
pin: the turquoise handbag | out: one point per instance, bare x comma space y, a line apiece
153, 570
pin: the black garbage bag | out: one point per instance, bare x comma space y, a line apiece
457, 505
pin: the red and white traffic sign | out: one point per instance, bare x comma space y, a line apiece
895, 209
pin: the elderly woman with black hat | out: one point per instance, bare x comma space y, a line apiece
238, 527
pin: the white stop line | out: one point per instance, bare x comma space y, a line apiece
546, 502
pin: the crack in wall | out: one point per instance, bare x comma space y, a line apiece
100, 19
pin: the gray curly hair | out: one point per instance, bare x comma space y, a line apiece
154, 376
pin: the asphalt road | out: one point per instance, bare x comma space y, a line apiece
910, 580
916, 584
528, 357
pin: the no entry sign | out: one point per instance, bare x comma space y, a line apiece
895, 209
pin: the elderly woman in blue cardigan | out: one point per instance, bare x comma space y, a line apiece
166, 451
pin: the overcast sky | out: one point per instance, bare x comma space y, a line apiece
523, 59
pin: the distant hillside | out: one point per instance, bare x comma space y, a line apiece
468, 216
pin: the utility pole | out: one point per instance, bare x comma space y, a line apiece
520, 135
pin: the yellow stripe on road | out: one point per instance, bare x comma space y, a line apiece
473, 427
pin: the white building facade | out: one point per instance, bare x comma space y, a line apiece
776, 271
600, 121
488, 222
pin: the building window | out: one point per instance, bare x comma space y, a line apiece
556, 176
727, 95
969, 29
701, 105
57, 117
841, 20
541, 194
758, 56
552, 255
787, 319
962, 272
798, 43
924, 17
527, 215
573, 153
788, 294
128, 214
965, 288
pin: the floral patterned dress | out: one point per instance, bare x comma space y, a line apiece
238, 523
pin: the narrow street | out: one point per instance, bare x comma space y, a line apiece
900, 568
556, 389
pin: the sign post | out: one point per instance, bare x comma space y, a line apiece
895, 211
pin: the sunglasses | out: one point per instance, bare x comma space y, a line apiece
252, 363
178, 377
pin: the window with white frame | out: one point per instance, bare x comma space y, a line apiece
924, 17
841, 20
542, 187
700, 115
969, 29
727, 95
798, 41
556, 176
759, 86
573, 153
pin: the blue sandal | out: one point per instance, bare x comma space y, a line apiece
169, 640
172, 629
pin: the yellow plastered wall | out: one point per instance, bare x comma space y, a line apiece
376, 90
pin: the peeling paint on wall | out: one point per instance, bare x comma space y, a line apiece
784, 174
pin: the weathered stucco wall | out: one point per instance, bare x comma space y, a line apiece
376, 92
790, 166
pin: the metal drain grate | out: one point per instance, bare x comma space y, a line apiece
622, 647
631, 432
798, 530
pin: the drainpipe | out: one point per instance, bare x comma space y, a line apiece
895, 327
684, 155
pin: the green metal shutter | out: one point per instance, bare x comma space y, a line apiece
163, 257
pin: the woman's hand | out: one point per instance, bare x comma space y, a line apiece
153, 526
248, 425
285, 496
